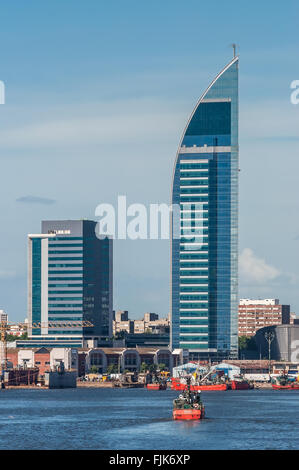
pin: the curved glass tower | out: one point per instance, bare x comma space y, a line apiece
204, 246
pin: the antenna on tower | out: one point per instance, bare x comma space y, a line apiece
234, 46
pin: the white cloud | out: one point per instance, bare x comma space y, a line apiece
123, 121
130, 121
256, 269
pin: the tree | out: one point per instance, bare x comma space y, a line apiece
247, 343
112, 369
10, 338
162, 366
152, 368
94, 370
143, 367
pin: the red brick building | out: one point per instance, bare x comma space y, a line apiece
256, 314
42, 360
12, 357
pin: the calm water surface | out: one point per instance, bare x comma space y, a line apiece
142, 419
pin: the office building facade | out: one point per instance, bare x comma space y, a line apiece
204, 245
69, 280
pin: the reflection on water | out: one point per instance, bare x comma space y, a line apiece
142, 419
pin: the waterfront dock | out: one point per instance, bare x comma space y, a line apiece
106, 384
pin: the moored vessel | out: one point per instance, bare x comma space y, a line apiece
156, 383
291, 386
239, 383
206, 383
157, 386
283, 382
201, 387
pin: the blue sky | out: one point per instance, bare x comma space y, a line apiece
97, 96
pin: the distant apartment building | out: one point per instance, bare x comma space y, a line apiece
149, 324
257, 314
17, 330
3, 316
121, 315
69, 280
293, 318
152, 324
121, 322
14, 330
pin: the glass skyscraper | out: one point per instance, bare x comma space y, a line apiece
69, 280
204, 254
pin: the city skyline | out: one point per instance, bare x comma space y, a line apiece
68, 96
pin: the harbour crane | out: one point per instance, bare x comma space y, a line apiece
6, 327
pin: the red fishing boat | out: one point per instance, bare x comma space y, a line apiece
284, 383
191, 413
188, 405
291, 386
239, 383
201, 387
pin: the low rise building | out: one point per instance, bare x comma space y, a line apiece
45, 359
122, 359
149, 324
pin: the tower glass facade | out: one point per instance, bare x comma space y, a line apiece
204, 258
70, 279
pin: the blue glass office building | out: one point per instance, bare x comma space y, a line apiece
69, 279
204, 254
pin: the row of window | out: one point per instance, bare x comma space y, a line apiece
195, 166
65, 266
193, 338
62, 239
79, 304
193, 273
195, 305
194, 289
65, 292
78, 318
194, 322
193, 329
65, 244
51, 286
194, 297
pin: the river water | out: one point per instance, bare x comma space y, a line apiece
142, 419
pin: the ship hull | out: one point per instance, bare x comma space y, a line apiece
286, 387
156, 386
188, 414
235, 385
204, 388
